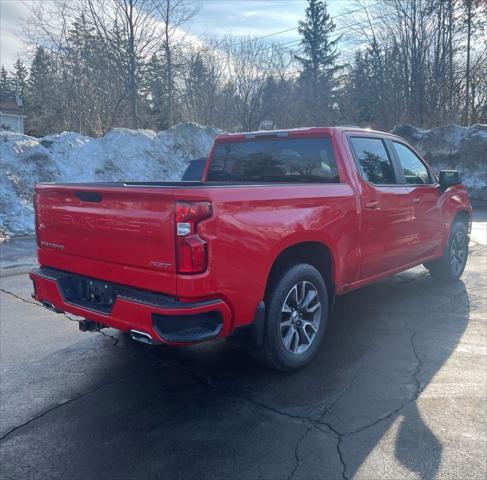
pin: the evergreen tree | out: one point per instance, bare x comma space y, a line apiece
275, 102
373, 85
21, 74
6, 84
318, 62
42, 96
155, 90
82, 82
199, 90
362, 106
320, 51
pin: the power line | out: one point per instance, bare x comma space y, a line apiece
289, 45
333, 37
280, 32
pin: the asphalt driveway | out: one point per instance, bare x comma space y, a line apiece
397, 391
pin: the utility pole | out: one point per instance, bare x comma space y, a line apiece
467, 86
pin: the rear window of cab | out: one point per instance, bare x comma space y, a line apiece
283, 160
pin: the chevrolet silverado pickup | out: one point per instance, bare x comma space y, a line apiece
256, 250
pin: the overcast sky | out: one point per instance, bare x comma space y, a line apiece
11, 14
217, 17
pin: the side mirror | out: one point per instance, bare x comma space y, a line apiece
448, 178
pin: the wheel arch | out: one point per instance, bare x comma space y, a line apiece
462, 216
313, 253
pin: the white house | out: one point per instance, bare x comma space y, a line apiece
11, 113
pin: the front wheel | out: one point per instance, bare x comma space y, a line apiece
451, 265
297, 313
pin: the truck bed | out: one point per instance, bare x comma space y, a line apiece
176, 184
125, 231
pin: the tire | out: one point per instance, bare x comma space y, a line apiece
451, 265
297, 314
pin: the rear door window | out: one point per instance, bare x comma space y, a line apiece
373, 160
415, 171
274, 160
194, 170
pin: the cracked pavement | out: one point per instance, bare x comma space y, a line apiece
397, 391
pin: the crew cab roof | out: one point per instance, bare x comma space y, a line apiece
295, 133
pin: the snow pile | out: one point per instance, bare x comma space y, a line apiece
454, 147
121, 155
144, 155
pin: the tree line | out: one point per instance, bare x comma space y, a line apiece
100, 64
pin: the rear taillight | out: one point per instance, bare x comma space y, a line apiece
36, 219
192, 252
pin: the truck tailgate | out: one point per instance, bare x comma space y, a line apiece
117, 233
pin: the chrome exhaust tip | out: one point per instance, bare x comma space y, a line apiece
51, 307
143, 337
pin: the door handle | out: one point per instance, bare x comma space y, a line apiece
416, 200
372, 205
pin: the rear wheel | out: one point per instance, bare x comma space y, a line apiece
451, 265
297, 313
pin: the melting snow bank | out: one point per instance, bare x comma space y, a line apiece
143, 155
454, 147
121, 155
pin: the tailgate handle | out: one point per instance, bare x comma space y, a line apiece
89, 196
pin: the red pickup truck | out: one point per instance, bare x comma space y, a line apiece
281, 223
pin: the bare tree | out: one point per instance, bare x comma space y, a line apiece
250, 63
134, 21
125, 34
174, 13
106, 63
204, 79
475, 18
